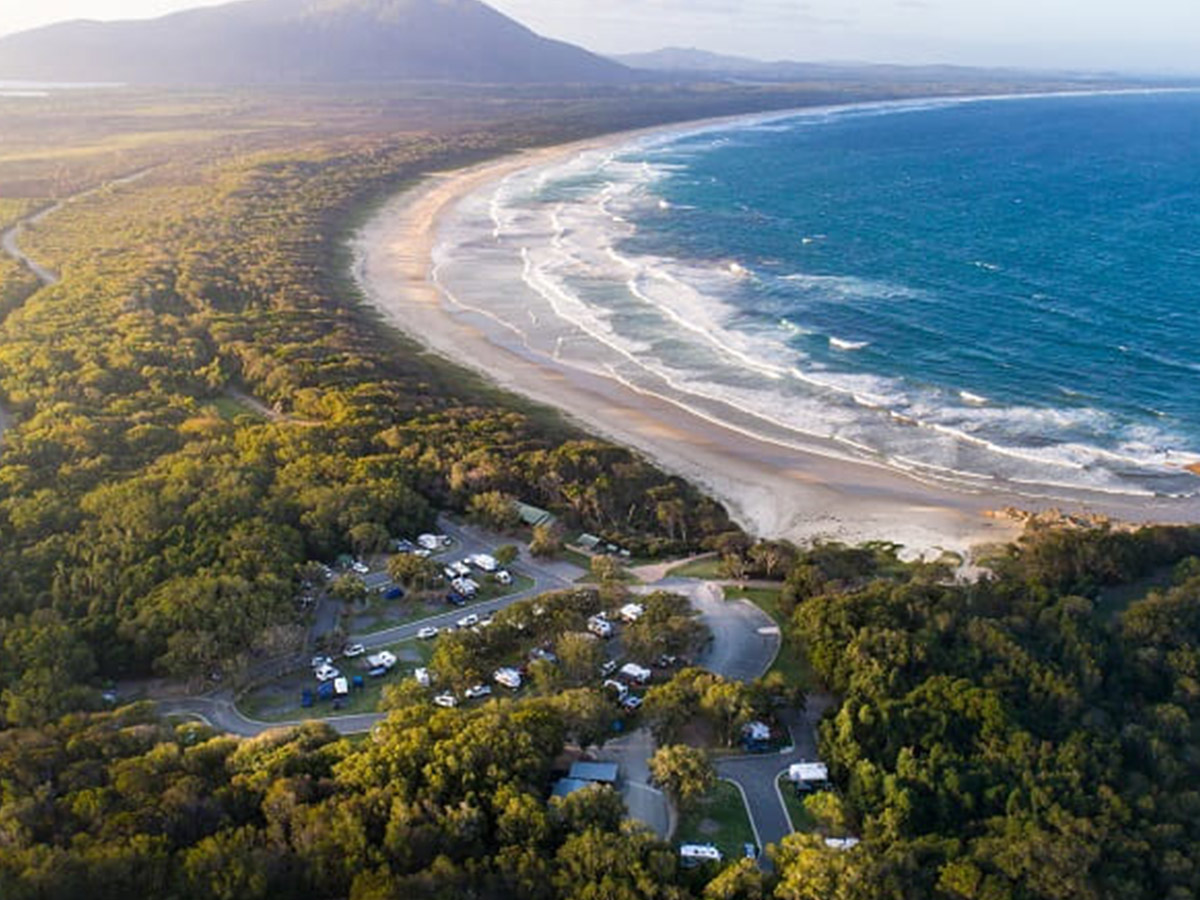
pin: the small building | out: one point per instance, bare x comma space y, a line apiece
595, 772
533, 516
566, 786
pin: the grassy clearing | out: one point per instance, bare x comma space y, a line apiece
718, 818
791, 662
385, 614
707, 568
229, 408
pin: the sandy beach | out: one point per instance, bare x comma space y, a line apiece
771, 489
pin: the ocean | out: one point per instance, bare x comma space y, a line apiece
990, 294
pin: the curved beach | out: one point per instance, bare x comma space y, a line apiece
772, 488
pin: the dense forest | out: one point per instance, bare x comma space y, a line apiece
1011, 738
1019, 737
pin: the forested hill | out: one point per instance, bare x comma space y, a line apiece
305, 41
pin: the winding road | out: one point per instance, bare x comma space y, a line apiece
9, 243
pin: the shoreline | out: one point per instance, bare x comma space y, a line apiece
771, 490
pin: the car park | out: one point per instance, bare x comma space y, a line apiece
352, 650
427, 633
479, 690
448, 701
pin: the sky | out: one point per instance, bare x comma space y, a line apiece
1130, 35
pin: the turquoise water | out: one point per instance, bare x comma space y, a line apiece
995, 293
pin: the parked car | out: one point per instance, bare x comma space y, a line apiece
352, 650
449, 701
608, 668
750, 851
393, 593
327, 673
468, 621
318, 661
427, 633
454, 598
504, 577
486, 621
632, 702
479, 690
360, 567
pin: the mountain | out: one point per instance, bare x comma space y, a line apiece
688, 63
305, 41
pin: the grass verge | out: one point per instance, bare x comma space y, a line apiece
720, 818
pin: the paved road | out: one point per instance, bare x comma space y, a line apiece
757, 775
745, 639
